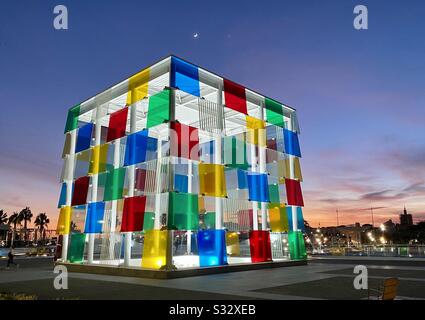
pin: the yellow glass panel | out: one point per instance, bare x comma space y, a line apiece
297, 169
201, 204
232, 244
64, 221
98, 159
262, 137
120, 204
278, 218
287, 169
256, 131
155, 249
281, 170
211, 180
138, 86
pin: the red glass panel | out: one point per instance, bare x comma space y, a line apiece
294, 194
133, 214
259, 243
272, 144
234, 95
81, 187
117, 124
140, 179
245, 218
184, 141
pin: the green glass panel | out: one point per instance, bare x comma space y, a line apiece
274, 193
183, 211
148, 221
72, 118
274, 106
101, 179
275, 118
296, 245
76, 250
209, 220
159, 109
235, 153
114, 184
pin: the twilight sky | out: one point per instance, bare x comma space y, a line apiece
360, 95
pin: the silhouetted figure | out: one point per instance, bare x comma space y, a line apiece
10, 257
176, 245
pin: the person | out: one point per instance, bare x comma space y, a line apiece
176, 244
10, 261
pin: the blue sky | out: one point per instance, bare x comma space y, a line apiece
359, 94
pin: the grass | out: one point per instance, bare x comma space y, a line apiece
16, 296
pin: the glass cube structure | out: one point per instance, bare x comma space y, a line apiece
177, 167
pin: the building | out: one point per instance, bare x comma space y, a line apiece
342, 235
177, 167
406, 219
389, 226
4, 231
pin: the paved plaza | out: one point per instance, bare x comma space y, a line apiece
322, 278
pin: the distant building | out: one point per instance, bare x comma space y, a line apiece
4, 229
389, 227
406, 219
345, 234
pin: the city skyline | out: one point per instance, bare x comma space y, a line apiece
359, 94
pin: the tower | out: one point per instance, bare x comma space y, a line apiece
406, 219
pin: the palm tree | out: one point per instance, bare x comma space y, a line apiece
41, 221
3, 217
26, 215
3, 220
14, 219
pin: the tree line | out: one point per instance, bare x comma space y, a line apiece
24, 217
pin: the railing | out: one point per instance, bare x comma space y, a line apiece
29, 251
409, 251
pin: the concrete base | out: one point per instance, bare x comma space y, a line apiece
162, 274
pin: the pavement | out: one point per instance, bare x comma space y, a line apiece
323, 278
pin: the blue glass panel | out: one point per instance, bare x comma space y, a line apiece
292, 145
62, 197
242, 179
300, 218
139, 145
185, 76
180, 183
212, 248
84, 137
151, 149
258, 187
206, 152
194, 243
94, 219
